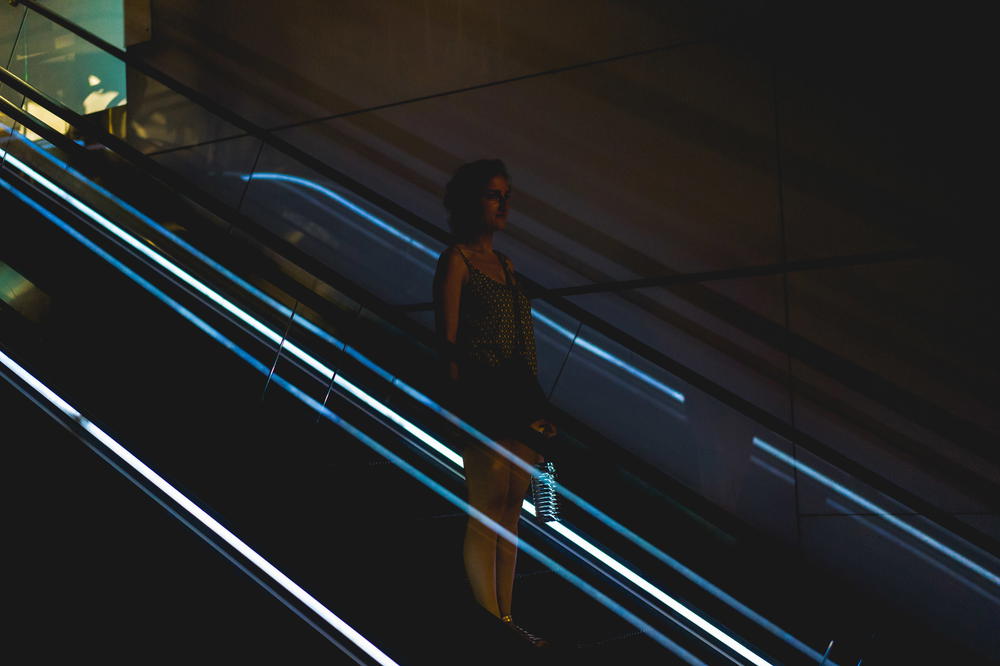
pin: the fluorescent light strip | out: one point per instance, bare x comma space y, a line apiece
867, 521
328, 414
656, 592
40, 388
526, 547
388, 228
613, 360
343, 201
876, 509
328, 373
177, 240
200, 515
642, 543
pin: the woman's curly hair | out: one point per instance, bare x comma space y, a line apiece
464, 192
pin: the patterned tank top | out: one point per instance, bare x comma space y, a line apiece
494, 319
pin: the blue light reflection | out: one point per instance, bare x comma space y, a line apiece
328, 414
879, 511
433, 254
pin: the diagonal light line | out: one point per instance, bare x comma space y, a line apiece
951, 572
621, 529
880, 511
659, 594
369, 441
393, 231
305, 357
200, 515
610, 358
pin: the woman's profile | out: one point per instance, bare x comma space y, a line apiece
481, 308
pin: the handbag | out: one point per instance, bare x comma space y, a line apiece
543, 492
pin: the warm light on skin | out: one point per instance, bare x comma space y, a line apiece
436, 445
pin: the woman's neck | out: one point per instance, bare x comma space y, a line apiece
480, 243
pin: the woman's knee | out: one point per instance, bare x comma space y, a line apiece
488, 491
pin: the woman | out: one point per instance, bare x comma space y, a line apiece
481, 309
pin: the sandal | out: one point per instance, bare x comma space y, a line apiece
535, 641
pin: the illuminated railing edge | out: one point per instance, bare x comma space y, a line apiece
412, 429
880, 512
199, 514
868, 521
325, 412
429, 252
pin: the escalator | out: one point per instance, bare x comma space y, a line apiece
226, 435
106, 573
291, 403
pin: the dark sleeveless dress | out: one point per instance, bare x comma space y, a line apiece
498, 386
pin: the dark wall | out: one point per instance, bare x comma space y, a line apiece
660, 138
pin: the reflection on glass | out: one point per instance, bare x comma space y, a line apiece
67, 68
370, 225
879, 511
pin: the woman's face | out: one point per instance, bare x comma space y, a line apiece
494, 202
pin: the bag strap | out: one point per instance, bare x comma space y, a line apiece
506, 271
464, 258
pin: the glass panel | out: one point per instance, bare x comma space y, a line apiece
69, 69
361, 242
219, 168
555, 334
10, 27
89, 81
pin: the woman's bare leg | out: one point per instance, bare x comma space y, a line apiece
506, 558
487, 480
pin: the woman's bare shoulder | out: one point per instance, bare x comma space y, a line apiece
450, 260
450, 254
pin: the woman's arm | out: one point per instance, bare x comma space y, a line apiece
451, 273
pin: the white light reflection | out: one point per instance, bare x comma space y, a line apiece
370, 442
200, 515
658, 594
879, 511
242, 316
869, 522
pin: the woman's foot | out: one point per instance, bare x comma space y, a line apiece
535, 641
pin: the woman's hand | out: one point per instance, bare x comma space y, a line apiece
544, 427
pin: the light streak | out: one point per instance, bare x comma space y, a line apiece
329, 374
199, 514
432, 254
879, 511
659, 594
940, 566
366, 439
